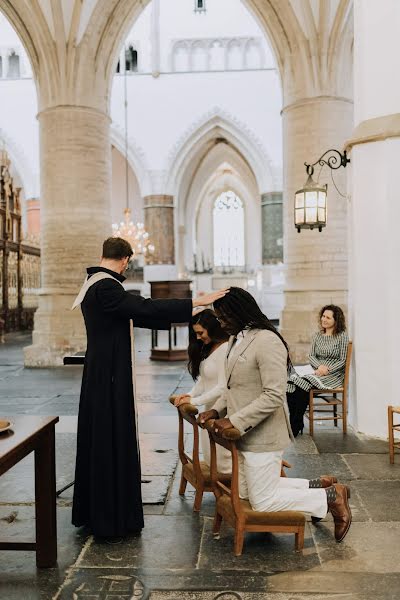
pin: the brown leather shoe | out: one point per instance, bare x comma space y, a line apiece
318, 519
341, 512
326, 481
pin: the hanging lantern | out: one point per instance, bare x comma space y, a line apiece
310, 205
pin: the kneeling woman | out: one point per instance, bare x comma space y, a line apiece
327, 360
208, 344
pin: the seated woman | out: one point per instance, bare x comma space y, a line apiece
327, 360
208, 344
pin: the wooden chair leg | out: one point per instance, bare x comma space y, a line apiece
299, 539
239, 539
344, 413
391, 434
311, 414
198, 499
182, 486
335, 421
217, 523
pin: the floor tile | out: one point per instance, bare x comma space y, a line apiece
372, 466
166, 542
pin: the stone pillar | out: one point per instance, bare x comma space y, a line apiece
75, 200
316, 263
155, 38
33, 217
272, 228
159, 222
374, 280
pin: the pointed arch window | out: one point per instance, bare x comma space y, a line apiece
131, 59
228, 230
13, 65
199, 5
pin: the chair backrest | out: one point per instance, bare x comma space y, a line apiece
347, 367
227, 440
188, 412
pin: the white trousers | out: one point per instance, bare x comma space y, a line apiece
261, 484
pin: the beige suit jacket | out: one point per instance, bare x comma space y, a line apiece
255, 396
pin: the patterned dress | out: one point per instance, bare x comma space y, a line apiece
329, 350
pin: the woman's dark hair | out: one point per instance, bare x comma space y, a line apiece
197, 350
239, 308
338, 315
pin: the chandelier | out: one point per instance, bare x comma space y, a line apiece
135, 234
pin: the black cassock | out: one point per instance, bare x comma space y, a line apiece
107, 492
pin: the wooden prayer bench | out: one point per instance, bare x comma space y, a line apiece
239, 513
194, 470
35, 434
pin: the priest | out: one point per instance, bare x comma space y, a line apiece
107, 492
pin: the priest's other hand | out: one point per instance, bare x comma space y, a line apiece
206, 416
221, 424
182, 399
208, 299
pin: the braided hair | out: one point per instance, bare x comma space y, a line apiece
240, 309
197, 350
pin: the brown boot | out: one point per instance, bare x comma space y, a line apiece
325, 481
341, 512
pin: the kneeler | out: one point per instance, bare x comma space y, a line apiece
237, 512
194, 470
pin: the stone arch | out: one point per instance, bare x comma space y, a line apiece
199, 178
234, 54
199, 57
277, 20
181, 45
136, 158
253, 43
214, 127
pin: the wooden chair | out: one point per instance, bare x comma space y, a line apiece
194, 471
331, 400
237, 512
392, 410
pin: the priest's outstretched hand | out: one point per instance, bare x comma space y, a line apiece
208, 299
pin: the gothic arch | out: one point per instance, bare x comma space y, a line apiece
199, 181
136, 158
214, 127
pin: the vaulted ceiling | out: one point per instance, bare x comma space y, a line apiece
73, 44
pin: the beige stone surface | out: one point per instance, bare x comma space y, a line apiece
159, 222
75, 202
316, 263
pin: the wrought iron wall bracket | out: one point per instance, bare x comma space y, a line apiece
334, 160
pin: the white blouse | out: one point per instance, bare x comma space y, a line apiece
211, 382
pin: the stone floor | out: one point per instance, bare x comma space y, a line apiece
176, 556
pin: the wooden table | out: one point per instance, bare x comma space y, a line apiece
35, 434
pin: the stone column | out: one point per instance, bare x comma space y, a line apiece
316, 263
159, 222
75, 199
33, 217
374, 280
155, 38
272, 228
